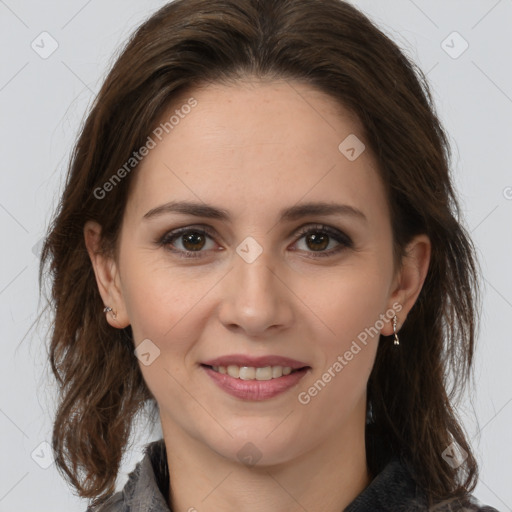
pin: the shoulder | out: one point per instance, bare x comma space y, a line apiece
394, 489
147, 483
419, 501
113, 504
468, 504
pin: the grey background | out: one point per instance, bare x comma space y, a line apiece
42, 103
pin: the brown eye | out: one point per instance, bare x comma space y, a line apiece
317, 242
194, 241
318, 238
187, 242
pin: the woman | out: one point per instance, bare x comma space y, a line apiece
259, 236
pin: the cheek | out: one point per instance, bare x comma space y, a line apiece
165, 306
348, 302
160, 297
350, 308
339, 382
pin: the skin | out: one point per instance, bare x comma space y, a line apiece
253, 149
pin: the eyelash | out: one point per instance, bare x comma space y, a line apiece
338, 236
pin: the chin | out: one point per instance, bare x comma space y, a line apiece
256, 446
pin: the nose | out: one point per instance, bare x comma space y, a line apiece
256, 297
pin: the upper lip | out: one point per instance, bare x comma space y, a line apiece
255, 362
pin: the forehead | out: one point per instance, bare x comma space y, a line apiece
256, 146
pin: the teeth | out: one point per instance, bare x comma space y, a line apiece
233, 371
263, 373
277, 371
251, 373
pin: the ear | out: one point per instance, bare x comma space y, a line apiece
409, 280
107, 277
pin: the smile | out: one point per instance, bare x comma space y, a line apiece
255, 383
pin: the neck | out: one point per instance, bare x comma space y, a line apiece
327, 478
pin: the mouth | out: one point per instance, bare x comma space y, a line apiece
263, 380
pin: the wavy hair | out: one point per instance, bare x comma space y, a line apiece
333, 47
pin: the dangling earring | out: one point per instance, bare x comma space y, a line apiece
108, 309
396, 342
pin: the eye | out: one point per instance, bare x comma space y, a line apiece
189, 242
319, 237
192, 240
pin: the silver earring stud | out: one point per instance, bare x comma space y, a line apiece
108, 309
396, 342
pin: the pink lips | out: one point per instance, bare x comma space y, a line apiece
256, 390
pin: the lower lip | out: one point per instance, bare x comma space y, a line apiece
255, 389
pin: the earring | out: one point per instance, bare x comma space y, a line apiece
396, 342
108, 309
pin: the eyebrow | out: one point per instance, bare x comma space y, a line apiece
289, 214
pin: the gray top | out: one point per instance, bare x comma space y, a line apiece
392, 490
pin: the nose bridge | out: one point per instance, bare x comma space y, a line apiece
255, 298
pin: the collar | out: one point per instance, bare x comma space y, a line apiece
392, 489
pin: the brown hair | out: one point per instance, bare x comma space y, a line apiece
331, 46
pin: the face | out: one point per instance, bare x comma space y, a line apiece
253, 275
